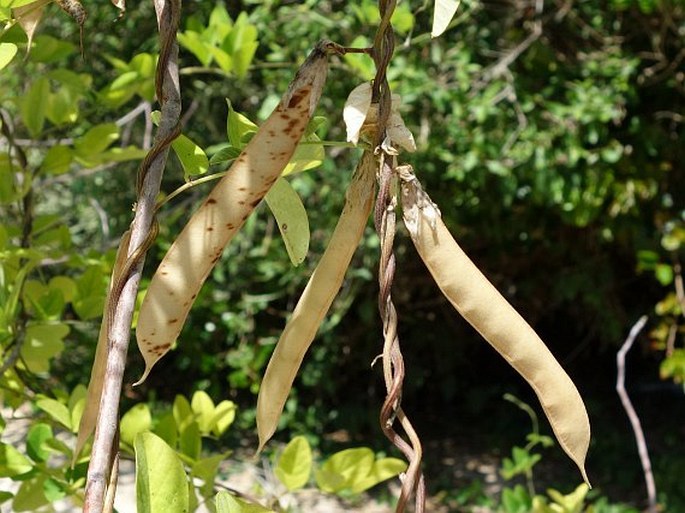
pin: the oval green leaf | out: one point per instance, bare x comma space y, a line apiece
295, 464
136, 420
7, 53
291, 216
161, 483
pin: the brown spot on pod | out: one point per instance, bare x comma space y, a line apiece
297, 97
211, 201
173, 321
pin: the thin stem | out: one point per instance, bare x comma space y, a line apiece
632, 414
124, 290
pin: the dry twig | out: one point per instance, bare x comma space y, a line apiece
125, 288
632, 414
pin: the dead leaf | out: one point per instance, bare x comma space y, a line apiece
443, 12
356, 108
28, 16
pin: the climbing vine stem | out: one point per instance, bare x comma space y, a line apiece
119, 310
385, 223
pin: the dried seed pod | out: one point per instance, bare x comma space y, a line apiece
479, 302
199, 246
318, 295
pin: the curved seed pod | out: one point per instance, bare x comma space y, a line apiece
199, 246
318, 295
479, 302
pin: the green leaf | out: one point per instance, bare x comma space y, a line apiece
41, 343
91, 290
8, 191
7, 53
664, 274
291, 216
295, 464
224, 415
383, 469
161, 484
56, 410
62, 107
136, 420
344, 468
57, 160
53, 490
190, 441
31, 495
183, 413
241, 44
65, 285
193, 159
203, 408
77, 403
206, 470
15, 3
35, 442
193, 42
47, 49
238, 127
12, 462
96, 140
224, 155
5, 496
33, 105
166, 429
308, 155
224, 60
123, 154
226, 503
571, 503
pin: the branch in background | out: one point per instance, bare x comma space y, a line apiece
119, 311
632, 414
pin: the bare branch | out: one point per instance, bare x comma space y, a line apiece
125, 287
632, 414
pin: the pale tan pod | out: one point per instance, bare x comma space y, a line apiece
479, 302
199, 246
318, 295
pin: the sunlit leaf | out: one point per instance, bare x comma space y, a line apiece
443, 12
35, 442
193, 159
42, 342
203, 408
12, 462
356, 108
237, 127
28, 16
56, 410
57, 160
295, 464
136, 420
226, 503
344, 468
96, 140
224, 415
161, 483
31, 495
291, 216
7, 53
382, 470
33, 105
